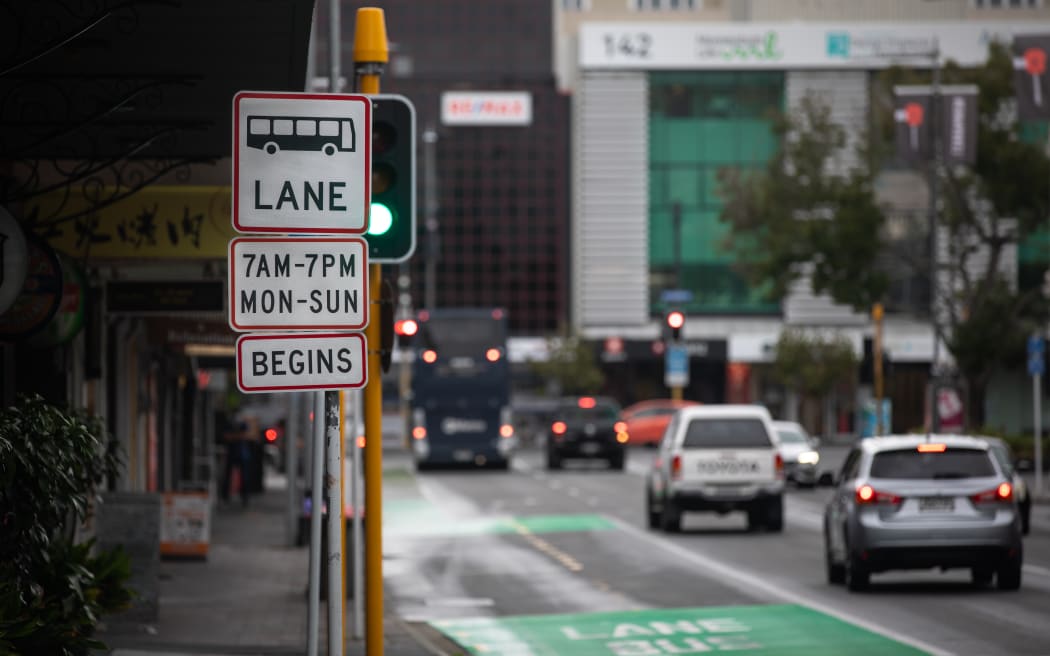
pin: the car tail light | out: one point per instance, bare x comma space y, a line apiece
620, 427
676, 467
1005, 492
586, 402
430, 356
622, 438
493, 355
506, 417
868, 494
558, 428
778, 465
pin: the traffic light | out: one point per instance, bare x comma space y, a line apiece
675, 320
392, 216
406, 329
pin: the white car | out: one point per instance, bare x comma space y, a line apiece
799, 451
718, 458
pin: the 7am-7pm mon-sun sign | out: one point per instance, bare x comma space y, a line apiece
301, 162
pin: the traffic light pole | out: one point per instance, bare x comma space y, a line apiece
370, 53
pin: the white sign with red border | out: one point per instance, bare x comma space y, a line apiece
302, 162
301, 361
298, 283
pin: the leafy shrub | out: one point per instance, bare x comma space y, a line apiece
53, 590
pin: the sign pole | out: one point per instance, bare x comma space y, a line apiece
876, 314
291, 464
371, 53
316, 505
357, 558
334, 480
1037, 394
333, 492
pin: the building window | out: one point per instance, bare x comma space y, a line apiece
662, 5
699, 124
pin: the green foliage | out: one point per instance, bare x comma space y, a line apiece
52, 590
799, 214
571, 366
813, 364
993, 206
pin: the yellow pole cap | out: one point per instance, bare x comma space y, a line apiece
370, 36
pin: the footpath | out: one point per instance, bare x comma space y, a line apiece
249, 597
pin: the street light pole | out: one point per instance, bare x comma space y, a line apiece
935, 167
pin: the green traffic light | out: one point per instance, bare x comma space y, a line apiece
380, 219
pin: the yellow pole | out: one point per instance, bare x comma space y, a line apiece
676, 393
370, 53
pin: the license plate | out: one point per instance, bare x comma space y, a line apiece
590, 448
462, 455
936, 504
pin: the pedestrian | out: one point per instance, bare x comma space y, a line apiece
238, 459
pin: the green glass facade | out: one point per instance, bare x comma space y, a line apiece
1033, 252
699, 123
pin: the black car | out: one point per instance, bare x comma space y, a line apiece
587, 427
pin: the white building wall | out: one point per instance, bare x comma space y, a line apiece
611, 200
847, 95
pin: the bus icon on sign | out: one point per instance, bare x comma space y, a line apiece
326, 134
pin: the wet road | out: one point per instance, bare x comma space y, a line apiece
477, 544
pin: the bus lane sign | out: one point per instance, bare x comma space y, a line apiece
301, 361
302, 162
298, 283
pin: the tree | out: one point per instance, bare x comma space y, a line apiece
803, 214
53, 589
570, 366
813, 364
986, 211
800, 211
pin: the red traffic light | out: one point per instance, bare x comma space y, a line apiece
675, 319
406, 327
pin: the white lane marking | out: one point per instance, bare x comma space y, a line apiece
730, 574
1037, 570
637, 468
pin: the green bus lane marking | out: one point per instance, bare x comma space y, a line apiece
781, 630
417, 517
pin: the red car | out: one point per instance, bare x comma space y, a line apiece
646, 420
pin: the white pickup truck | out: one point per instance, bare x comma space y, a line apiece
718, 458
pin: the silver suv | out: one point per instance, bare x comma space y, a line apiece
905, 502
718, 458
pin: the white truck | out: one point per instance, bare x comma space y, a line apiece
718, 458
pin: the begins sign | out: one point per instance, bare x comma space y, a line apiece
300, 362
